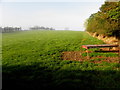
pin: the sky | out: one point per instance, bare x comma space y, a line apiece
59, 14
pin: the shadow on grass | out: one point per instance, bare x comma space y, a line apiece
37, 77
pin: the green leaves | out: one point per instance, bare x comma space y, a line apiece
105, 21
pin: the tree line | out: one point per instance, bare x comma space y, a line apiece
41, 28
9, 29
12, 29
105, 21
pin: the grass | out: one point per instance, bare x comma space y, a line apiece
32, 60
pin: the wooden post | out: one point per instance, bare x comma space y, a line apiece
119, 51
87, 54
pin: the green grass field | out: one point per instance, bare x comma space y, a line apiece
32, 60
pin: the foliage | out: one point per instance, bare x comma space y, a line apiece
41, 28
105, 21
32, 60
9, 29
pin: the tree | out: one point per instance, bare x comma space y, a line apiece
105, 21
10, 29
41, 28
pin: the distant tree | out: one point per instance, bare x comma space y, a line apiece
10, 29
52, 28
1, 29
41, 28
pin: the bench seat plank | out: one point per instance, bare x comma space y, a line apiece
99, 46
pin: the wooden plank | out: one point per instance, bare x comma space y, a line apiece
99, 46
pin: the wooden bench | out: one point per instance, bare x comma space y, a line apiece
98, 46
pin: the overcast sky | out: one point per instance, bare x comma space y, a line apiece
50, 13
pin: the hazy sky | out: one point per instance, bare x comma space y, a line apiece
49, 13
